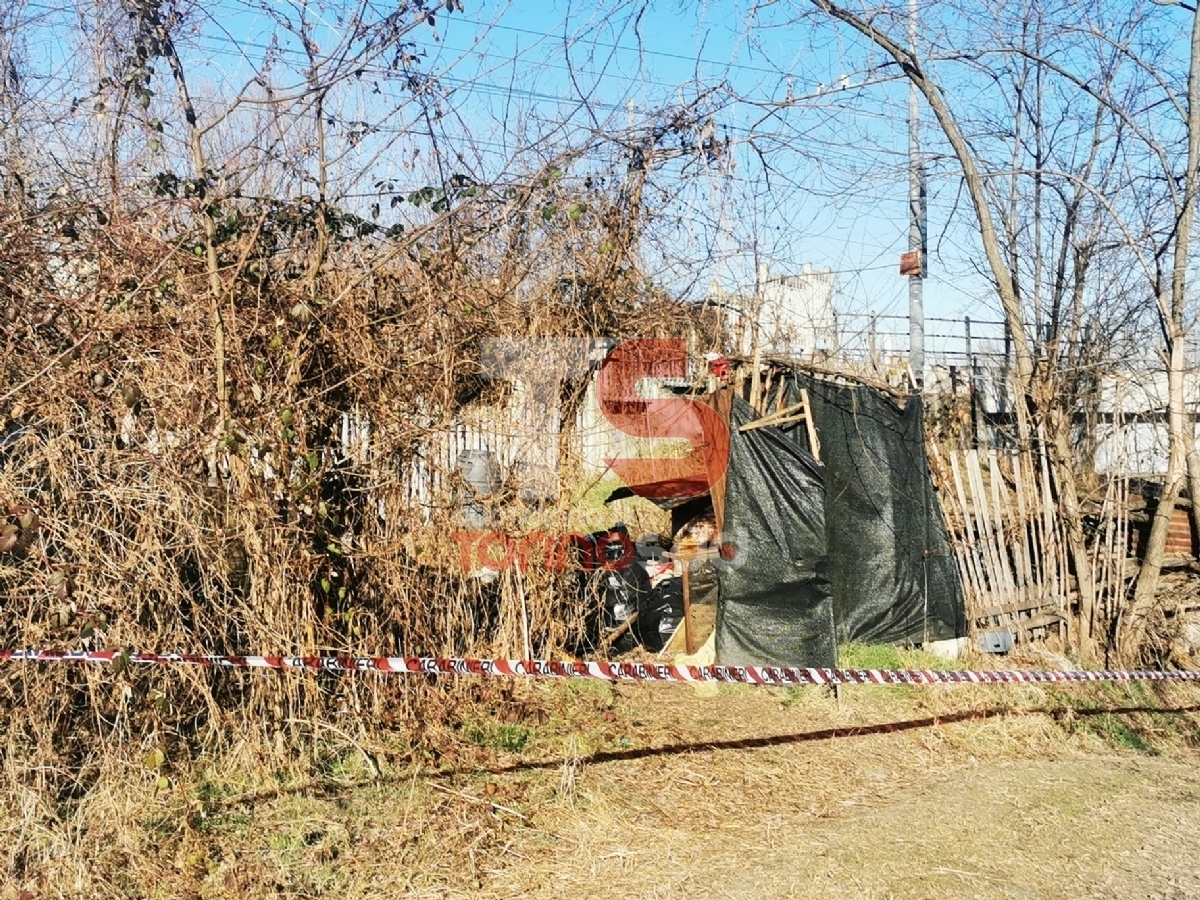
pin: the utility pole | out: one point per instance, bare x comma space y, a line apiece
916, 220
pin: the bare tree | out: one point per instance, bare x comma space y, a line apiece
1041, 169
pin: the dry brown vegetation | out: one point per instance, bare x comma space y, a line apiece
190, 317
144, 518
652, 791
184, 333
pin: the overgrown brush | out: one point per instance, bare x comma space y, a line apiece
145, 511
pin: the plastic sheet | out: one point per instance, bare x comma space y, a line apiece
776, 603
890, 562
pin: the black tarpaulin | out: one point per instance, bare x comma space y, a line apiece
776, 606
891, 567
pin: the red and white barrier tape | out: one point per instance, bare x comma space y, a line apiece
778, 676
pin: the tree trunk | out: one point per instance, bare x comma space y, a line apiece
1133, 630
1193, 477
212, 261
1063, 466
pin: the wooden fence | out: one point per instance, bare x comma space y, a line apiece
1012, 548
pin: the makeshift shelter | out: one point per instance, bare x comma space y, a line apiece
850, 546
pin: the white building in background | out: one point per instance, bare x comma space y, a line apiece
793, 314
1132, 433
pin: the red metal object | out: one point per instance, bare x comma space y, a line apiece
910, 263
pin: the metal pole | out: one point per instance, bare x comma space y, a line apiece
916, 219
1004, 374
971, 383
872, 351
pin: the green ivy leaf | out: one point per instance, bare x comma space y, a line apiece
121, 662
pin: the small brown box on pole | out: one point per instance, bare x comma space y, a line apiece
910, 263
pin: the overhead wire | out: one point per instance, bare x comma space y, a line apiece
483, 85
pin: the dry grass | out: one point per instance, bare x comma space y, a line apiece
140, 509
536, 788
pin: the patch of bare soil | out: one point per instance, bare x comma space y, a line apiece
1096, 828
972, 804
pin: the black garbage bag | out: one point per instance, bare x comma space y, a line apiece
608, 565
626, 592
660, 614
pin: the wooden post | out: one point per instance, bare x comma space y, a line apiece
814, 442
689, 639
685, 557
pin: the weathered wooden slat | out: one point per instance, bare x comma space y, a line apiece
963, 554
999, 509
983, 588
984, 524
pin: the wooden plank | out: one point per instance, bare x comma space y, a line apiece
1037, 620
798, 410
973, 561
1000, 508
1045, 619
983, 520
776, 423
1028, 534
814, 442
987, 585
1014, 534
961, 549
1016, 610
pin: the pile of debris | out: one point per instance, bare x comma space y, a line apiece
637, 587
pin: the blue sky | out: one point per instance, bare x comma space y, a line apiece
807, 210
823, 182
838, 201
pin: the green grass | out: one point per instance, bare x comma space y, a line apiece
885, 656
503, 737
1117, 732
590, 512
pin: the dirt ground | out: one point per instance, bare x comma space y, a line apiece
994, 806
657, 792
1094, 828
